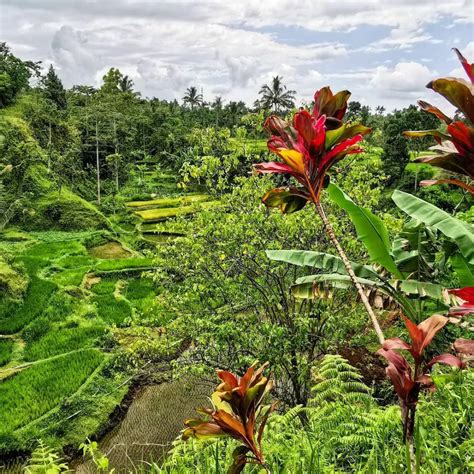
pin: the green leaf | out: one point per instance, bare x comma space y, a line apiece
458, 91
421, 289
287, 199
459, 232
304, 285
370, 230
464, 271
320, 260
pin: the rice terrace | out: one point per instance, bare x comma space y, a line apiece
236, 237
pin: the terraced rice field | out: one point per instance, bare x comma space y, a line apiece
50, 345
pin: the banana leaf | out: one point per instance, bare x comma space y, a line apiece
320, 260
303, 288
464, 271
370, 230
458, 231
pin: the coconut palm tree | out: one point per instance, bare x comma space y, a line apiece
276, 96
217, 107
192, 97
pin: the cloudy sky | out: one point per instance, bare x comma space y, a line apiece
384, 51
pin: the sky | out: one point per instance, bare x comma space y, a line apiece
383, 51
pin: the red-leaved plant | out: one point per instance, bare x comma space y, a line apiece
456, 144
466, 297
236, 412
409, 381
308, 148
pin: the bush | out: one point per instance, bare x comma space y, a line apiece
65, 211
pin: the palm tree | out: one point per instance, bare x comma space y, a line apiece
125, 84
277, 96
192, 97
217, 106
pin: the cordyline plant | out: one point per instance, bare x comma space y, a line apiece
237, 412
466, 297
456, 144
409, 381
308, 148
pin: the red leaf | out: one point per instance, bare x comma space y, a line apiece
464, 346
228, 378
424, 333
273, 167
456, 182
334, 152
466, 293
398, 361
447, 359
395, 343
434, 110
401, 381
469, 68
303, 123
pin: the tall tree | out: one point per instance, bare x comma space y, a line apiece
217, 107
192, 97
14, 74
53, 89
125, 84
395, 154
276, 96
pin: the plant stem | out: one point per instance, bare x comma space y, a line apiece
350, 271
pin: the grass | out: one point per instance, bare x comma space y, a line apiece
105, 286
158, 215
74, 261
70, 277
62, 340
170, 202
124, 264
53, 250
43, 386
109, 250
140, 288
14, 317
112, 310
6, 347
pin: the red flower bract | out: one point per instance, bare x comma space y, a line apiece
308, 148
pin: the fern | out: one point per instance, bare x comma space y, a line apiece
44, 460
337, 380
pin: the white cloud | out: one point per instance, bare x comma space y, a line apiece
232, 48
77, 64
405, 78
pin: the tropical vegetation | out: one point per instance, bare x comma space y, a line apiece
312, 260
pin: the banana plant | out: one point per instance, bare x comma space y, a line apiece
401, 271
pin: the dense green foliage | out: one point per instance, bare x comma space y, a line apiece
134, 249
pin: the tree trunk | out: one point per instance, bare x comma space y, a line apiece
97, 161
49, 148
350, 272
116, 150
